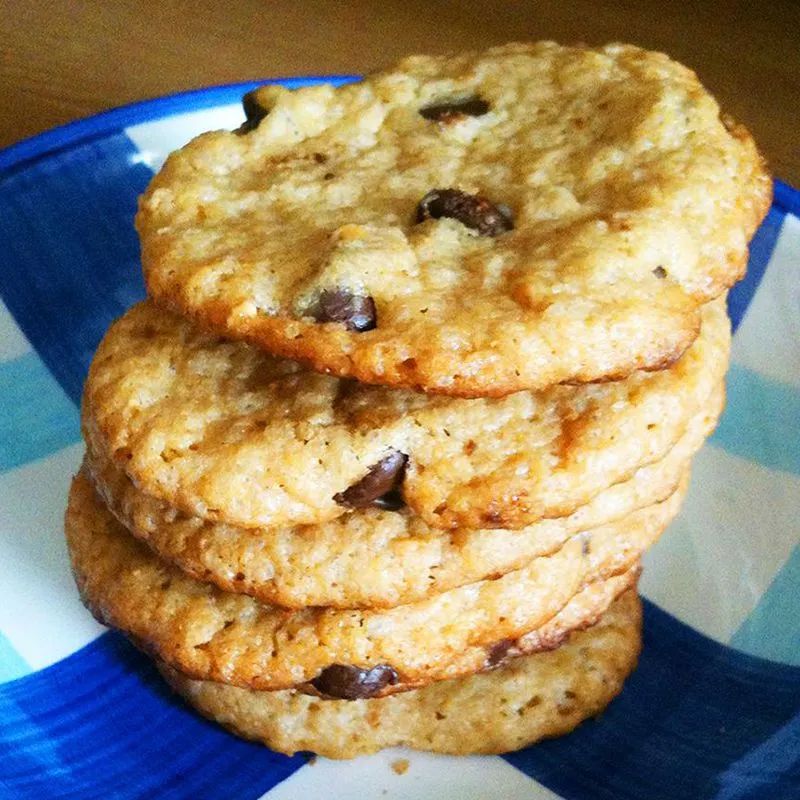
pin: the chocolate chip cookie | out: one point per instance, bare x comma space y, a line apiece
373, 557
473, 224
224, 432
527, 699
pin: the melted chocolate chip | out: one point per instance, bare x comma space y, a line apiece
498, 652
254, 112
445, 112
346, 682
379, 486
660, 272
472, 210
356, 311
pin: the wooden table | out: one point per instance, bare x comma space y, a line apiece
63, 60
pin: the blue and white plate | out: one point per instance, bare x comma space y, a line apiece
713, 711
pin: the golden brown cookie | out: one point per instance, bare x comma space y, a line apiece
473, 225
372, 557
582, 611
527, 699
224, 432
211, 634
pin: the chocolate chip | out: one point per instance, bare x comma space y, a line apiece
346, 682
379, 486
445, 112
660, 272
391, 501
254, 112
472, 210
356, 311
498, 652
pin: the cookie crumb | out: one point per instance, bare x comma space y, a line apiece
400, 766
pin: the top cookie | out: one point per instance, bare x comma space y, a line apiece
471, 225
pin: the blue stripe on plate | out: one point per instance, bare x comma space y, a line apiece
773, 627
12, 664
70, 253
101, 724
761, 420
787, 197
697, 720
687, 726
37, 417
750, 778
761, 249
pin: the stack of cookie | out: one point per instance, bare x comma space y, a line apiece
424, 364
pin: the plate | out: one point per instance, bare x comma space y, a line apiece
713, 710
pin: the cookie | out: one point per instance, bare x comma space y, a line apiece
581, 612
224, 432
372, 557
232, 638
528, 699
472, 225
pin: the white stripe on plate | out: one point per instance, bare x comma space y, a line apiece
428, 775
737, 528
40, 612
767, 339
157, 139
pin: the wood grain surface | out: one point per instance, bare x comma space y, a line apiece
64, 60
